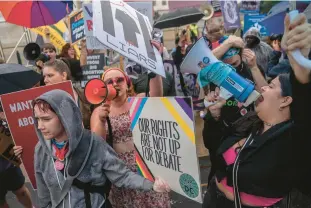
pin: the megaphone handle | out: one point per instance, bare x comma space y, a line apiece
109, 140
300, 59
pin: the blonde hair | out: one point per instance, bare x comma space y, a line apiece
130, 87
59, 66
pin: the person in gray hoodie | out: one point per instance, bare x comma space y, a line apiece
261, 49
70, 160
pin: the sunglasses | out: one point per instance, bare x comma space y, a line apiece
117, 80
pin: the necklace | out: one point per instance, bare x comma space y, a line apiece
60, 155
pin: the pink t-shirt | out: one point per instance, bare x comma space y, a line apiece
230, 156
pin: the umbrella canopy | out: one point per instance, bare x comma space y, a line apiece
15, 77
179, 18
33, 14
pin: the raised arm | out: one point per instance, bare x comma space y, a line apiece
232, 41
298, 36
155, 84
249, 57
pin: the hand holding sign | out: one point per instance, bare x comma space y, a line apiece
161, 186
18, 151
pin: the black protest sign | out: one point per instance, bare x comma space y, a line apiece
76, 24
94, 68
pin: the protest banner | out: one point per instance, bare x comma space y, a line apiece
17, 107
165, 142
255, 21
231, 14
94, 68
76, 25
91, 41
7, 143
250, 7
125, 30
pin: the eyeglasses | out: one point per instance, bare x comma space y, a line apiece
117, 80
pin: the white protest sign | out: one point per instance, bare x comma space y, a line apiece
91, 41
143, 7
165, 142
125, 30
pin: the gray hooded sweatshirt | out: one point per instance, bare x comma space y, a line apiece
89, 158
262, 51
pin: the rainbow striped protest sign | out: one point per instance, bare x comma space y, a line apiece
163, 132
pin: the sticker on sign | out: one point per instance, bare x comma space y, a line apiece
123, 29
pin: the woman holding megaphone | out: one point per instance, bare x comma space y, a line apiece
123, 144
262, 158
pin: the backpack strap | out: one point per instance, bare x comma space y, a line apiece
88, 188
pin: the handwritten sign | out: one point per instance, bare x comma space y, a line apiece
165, 142
94, 68
76, 24
125, 30
17, 107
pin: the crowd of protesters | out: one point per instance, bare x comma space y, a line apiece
258, 153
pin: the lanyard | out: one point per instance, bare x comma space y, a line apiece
237, 199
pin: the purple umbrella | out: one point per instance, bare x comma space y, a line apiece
33, 14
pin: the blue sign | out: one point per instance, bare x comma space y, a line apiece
254, 21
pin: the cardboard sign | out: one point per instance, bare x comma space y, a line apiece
165, 142
123, 29
76, 24
94, 68
255, 21
91, 41
17, 107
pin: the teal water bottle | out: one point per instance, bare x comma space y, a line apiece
224, 75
